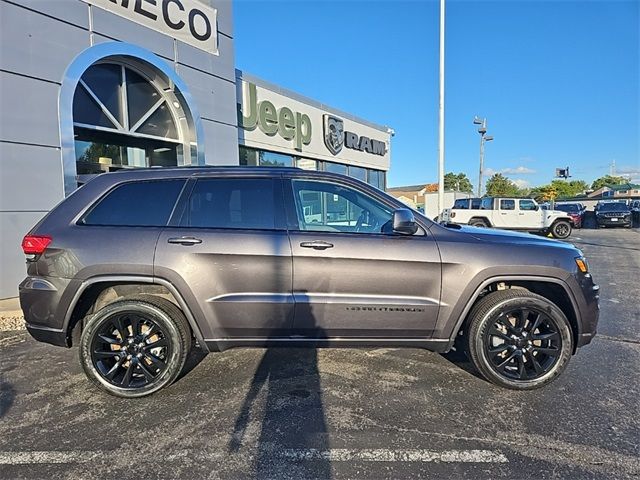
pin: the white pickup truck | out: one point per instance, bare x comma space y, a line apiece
510, 214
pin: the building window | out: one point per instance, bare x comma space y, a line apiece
248, 157
358, 172
273, 159
376, 178
335, 168
306, 164
122, 120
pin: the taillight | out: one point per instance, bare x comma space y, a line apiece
35, 244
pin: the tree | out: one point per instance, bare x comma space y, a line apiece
559, 189
569, 189
607, 181
545, 193
500, 186
457, 182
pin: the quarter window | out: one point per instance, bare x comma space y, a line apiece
137, 204
329, 207
232, 203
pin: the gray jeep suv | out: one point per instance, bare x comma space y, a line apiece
135, 267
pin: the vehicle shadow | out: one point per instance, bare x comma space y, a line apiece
284, 404
195, 356
459, 359
7, 396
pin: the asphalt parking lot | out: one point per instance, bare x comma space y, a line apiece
340, 413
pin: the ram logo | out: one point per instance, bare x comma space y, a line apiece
333, 133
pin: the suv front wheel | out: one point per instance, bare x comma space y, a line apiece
518, 339
561, 229
135, 346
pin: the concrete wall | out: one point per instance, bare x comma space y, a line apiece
38, 40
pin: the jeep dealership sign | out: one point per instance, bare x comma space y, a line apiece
189, 21
269, 118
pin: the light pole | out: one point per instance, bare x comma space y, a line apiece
482, 130
441, 117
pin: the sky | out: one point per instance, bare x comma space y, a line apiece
558, 81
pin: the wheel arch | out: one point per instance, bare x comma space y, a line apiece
553, 289
484, 219
99, 291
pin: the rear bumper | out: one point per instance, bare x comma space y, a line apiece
41, 299
48, 335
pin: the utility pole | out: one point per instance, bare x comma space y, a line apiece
482, 130
441, 117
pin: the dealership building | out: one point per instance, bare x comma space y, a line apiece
93, 86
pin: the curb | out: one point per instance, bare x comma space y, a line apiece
11, 320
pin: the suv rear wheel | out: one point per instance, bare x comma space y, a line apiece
135, 346
478, 222
518, 339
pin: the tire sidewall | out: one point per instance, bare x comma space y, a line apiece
95, 323
523, 302
478, 224
554, 229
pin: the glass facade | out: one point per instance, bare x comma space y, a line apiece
252, 157
122, 120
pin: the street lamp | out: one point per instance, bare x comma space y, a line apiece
482, 130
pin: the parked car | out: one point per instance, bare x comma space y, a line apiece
635, 206
574, 210
137, 266
614, 214
512, 214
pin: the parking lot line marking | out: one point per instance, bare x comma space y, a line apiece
24, 458
387, 455
334, 454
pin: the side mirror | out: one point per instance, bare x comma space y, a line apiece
404, 222
537, 208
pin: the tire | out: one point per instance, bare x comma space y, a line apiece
478, 222
129, 327
561, 229
522, 361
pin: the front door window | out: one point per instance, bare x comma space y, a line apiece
330, 207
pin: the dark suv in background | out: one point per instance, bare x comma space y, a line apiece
137, 266
614, 214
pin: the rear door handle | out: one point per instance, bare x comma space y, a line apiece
317, 245
184, 240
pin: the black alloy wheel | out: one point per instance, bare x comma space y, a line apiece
135, 346
518, 339
130, 350
523, 344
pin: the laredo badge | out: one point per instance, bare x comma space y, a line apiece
333, 133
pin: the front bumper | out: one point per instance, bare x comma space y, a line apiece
588, 301
613, 221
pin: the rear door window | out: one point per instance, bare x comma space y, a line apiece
527, 205
507, 204
247, 203
137, 204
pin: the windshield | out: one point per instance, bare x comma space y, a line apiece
568, 208
613, 207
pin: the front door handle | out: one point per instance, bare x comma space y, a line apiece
184, 240
317, 245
